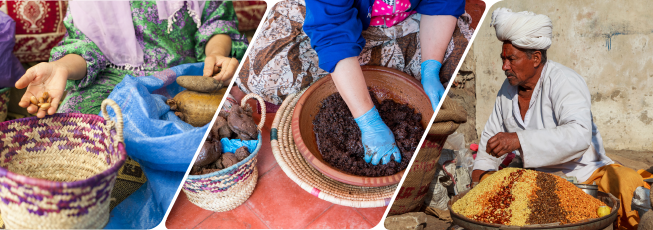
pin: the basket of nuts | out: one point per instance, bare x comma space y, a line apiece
223, 181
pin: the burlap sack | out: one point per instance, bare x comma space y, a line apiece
646, 221
421, 173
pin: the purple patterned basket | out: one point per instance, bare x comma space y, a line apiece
58, 171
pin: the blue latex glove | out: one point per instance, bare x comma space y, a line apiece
431, 81
377, 138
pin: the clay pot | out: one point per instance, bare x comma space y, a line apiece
387, 84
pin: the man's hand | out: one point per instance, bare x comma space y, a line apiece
502, 143
221, 68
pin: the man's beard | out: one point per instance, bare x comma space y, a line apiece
512, 78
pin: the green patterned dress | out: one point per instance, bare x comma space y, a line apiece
183, 44
161, 50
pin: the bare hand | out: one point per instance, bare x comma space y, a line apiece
221, 68
44, 77
502, 143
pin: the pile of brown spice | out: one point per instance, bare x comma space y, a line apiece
339, 138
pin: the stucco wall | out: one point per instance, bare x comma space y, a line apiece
609, 44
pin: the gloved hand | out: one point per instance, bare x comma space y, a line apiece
431, 81
378, 140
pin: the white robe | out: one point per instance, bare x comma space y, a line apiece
558, 132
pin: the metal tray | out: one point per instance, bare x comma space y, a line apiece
591, 224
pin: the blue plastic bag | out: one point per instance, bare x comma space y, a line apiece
230, 145
158, 140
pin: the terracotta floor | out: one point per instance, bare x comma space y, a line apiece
277, 202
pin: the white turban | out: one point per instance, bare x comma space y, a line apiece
525, 30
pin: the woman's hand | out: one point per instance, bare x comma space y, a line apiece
435, 33
431, 81
378, 140
220, 67
217, 63
44, 77
50, 77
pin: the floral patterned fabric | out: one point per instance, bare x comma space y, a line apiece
161, 50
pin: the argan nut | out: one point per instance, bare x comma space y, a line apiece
45, 95
229, 159
41, 100
218, 164
224, 132
241, 153
49, 99
45, 106
223, 114
33, 100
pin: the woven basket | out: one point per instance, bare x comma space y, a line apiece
227, 189
58, 171
4, 100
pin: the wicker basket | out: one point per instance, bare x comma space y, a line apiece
227, 189
58, 171
4, 100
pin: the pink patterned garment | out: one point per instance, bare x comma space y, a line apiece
390, 12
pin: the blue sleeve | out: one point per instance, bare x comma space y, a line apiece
441, 7
334, 30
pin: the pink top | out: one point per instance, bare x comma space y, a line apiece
383, 13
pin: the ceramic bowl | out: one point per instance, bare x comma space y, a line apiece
386, 83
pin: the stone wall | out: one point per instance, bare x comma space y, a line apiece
463, 91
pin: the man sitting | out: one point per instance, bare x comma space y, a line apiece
543, 112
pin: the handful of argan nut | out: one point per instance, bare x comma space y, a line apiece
43, 102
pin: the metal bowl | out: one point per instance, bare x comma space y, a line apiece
592, 190
596, 223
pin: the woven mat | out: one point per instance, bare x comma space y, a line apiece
130, 178
308, 178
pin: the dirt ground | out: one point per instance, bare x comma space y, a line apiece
633, 159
